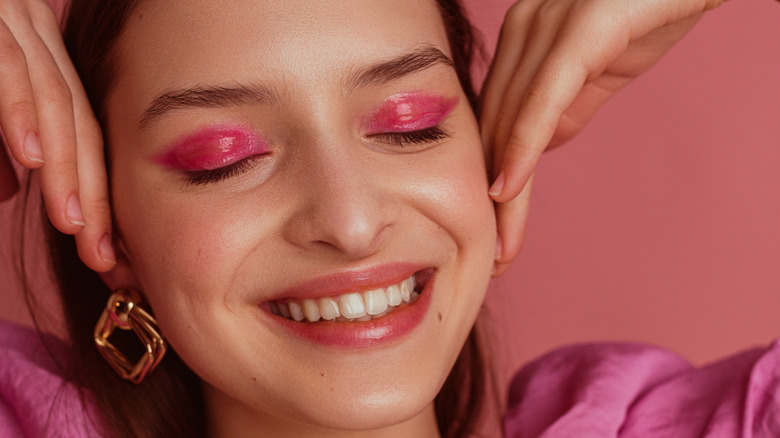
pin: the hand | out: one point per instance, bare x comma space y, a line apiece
557, 62
48, 124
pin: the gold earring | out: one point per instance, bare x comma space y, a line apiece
123, 312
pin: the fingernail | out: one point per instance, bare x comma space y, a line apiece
73, 212
107, 250
32, 148
497, 186
499, 248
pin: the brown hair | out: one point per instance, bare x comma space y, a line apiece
169, 402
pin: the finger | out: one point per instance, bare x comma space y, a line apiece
512, 218
18, 119
53, 100
511, 44
94, 242
508, 160
540, 39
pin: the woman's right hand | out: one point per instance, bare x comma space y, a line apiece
557, 62
48, 125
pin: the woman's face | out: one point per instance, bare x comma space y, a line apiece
267, 156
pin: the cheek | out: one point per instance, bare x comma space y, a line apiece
455, 190
183, 248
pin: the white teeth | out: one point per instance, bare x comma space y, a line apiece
406, 291
352, 306
295, 311
311, 310
394, 297
376, 301
329, 309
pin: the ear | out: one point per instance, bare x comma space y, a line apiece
123, 273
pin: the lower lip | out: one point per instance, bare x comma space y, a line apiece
363, 334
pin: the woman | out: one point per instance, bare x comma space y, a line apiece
272, 183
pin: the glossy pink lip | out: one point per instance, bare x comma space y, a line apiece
211, 148
409, 112
357, 334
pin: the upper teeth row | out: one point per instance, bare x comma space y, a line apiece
350, 306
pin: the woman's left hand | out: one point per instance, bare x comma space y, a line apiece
557, 62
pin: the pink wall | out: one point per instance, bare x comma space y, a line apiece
661, 222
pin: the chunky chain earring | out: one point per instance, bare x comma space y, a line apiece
123, 312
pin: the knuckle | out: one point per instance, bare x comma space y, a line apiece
11, 54
57, 93
22, 107
535, 94
99, 207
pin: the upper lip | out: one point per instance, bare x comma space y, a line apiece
353, 280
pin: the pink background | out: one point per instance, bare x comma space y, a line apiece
660, 222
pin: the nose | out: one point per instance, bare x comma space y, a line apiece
346, 209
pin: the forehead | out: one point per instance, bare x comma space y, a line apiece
195, 41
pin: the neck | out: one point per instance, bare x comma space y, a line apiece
229, 418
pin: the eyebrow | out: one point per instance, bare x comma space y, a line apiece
225, 96
420, 59
206, 97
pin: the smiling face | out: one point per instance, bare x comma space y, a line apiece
276, 165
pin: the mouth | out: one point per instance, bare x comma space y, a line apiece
365, 305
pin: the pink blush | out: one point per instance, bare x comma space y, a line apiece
409, 112
212, 148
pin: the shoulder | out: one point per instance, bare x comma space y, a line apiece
633, 390
35, 398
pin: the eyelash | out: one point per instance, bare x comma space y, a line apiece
402, 139
423, 136
203, 177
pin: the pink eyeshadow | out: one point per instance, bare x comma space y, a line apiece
409, 112
212, 148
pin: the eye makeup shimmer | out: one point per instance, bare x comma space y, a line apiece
211, 148
409, 112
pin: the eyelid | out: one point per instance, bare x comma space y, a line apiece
212, 147
408, 112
